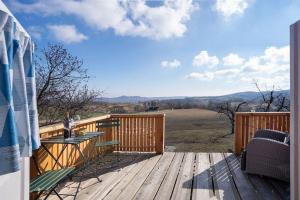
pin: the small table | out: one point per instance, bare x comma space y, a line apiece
75, 141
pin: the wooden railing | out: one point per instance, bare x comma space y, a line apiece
246, 124
139, 133
70, 157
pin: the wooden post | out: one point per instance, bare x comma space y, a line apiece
160, 135
237, 134
295, 108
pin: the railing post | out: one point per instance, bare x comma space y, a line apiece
160, 135
237, 134
295, 105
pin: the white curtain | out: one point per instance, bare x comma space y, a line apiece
19, 133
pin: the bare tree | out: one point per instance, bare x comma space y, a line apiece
61, 83
282, 103
273, 100
229, 109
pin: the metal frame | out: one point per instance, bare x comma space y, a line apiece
76, 145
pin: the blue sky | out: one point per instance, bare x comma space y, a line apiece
178, 48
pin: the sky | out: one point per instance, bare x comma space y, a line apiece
169, 48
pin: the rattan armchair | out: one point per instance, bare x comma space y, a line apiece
268, 154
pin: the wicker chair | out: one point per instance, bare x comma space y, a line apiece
268, 154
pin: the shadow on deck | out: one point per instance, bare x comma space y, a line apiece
170, 176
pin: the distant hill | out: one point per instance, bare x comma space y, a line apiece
134, 99
243, 96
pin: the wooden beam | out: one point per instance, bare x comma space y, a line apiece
295, 108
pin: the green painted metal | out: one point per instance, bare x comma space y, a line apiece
107, 123
107, 143
73, 140
49, 180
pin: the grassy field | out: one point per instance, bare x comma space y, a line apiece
197, 130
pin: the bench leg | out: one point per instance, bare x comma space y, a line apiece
53, 190
57, 194
77, 190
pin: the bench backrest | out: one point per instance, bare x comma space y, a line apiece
107, 123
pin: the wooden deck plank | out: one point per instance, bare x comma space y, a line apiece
166, 188
264, 189
136, 183
244, 186
202, 185
183, 187
109, 178
115, 181
115, 192
70, 187
222, 182
155, 178
283, 188
176, 176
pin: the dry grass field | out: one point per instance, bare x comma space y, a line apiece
197, 130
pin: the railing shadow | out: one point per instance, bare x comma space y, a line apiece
217, 181
214, 180
111, 162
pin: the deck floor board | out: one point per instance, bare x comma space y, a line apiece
150, 187
184, 183
173, 175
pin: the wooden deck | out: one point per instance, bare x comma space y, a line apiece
171, 176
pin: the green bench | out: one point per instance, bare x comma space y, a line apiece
48, 181
107, 143
105, 124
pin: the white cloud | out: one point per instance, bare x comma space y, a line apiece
170, 64
132, 18
66, 33
228, 72
277, 55
35, 31
273, 60
232, 60
229, 8
201, 76
203, 59
271, 68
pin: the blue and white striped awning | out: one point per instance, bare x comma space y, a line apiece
19, 131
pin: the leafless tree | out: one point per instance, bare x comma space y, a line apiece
61, 83
273, 100
229, 109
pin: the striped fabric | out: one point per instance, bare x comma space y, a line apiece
18, 110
